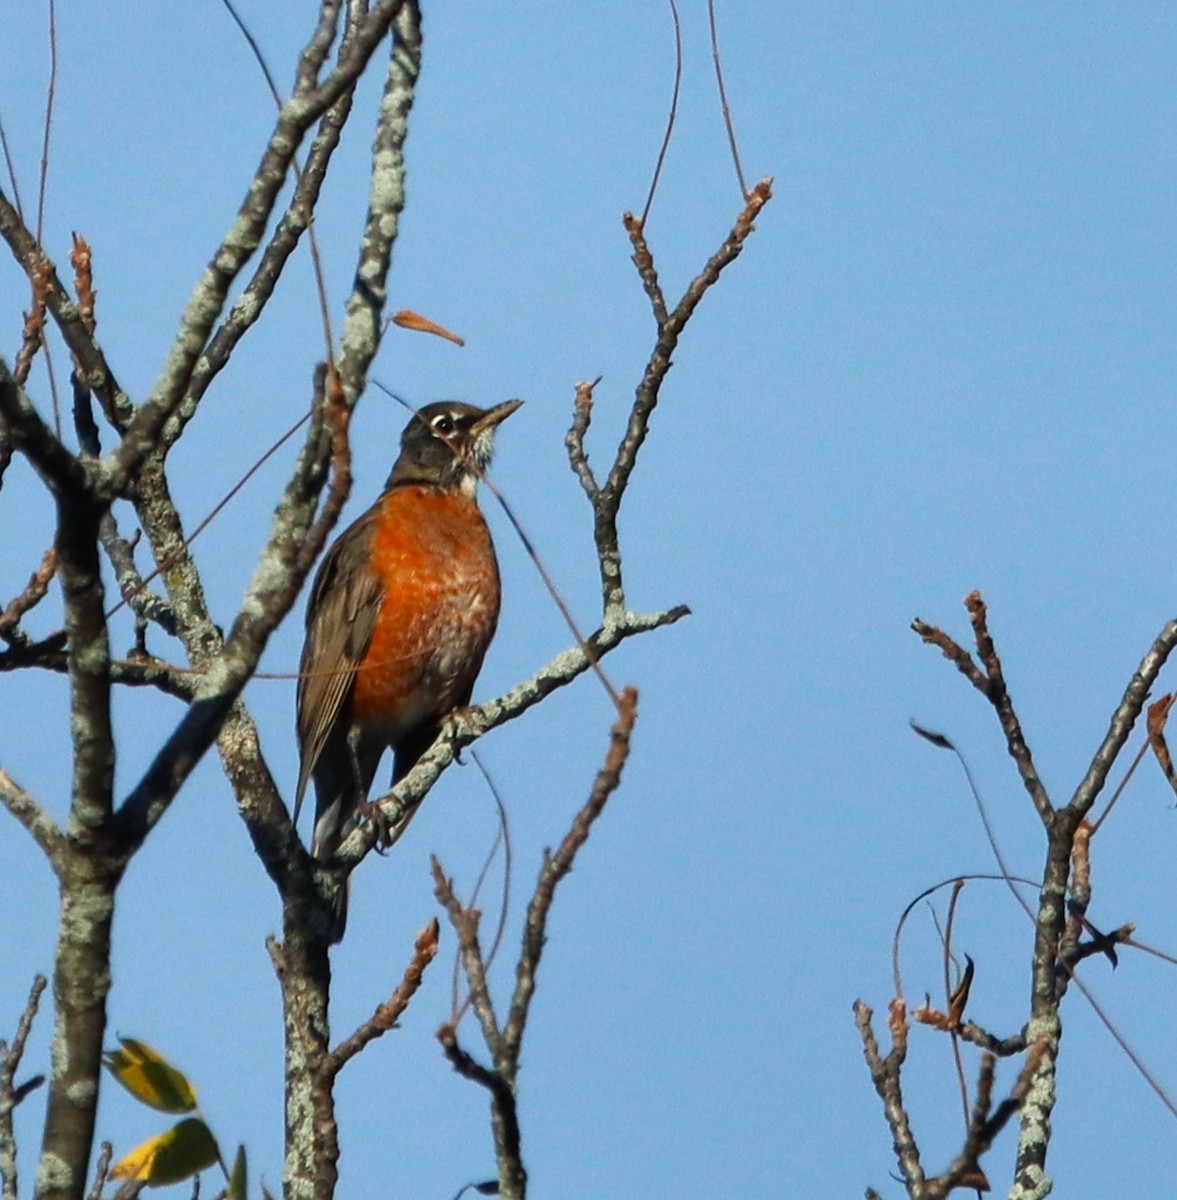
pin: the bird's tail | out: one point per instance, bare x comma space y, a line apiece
339, 915
324, 842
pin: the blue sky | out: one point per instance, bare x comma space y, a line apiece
945, 361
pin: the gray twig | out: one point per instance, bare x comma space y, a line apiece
12, 1094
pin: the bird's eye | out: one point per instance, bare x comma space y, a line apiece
443, 425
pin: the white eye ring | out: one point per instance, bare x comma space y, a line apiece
443, 424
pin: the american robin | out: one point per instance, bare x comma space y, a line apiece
401, 613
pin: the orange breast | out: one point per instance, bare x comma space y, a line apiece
433, 554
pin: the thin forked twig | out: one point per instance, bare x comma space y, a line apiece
989, 679
670, 326
886, 1075
466, 919
504, 1042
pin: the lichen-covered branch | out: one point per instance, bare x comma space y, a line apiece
308, 103
39, 824
886, 1074
467, 726
295, 538
386, 200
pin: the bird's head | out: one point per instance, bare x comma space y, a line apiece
448, 444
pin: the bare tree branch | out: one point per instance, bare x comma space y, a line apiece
582, 415
41, 827
505, 1043
1122, 723
670, 326
34, 592
985, 1124
556, 867
512, 1182
1064, 894
390, 1012
885, 1074
466, 921
466, 726
991, 683
363, 323
305, 106
10, 1094
28, 433
283, 565
90, 361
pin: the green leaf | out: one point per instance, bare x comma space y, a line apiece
150, 1078
238, 1176
183, 1151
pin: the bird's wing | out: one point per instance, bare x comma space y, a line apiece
344, 603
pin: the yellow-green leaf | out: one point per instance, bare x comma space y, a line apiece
237, 1179
185, 1150
150, 1078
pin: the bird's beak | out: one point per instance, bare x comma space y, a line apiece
494, 416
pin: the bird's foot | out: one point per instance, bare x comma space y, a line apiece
370, 811
453, 719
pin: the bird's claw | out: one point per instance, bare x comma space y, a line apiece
374, 813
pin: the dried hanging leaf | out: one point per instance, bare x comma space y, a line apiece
930, 735
1158, 715
960, 997
150, 1078
407, 319
183, 1151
